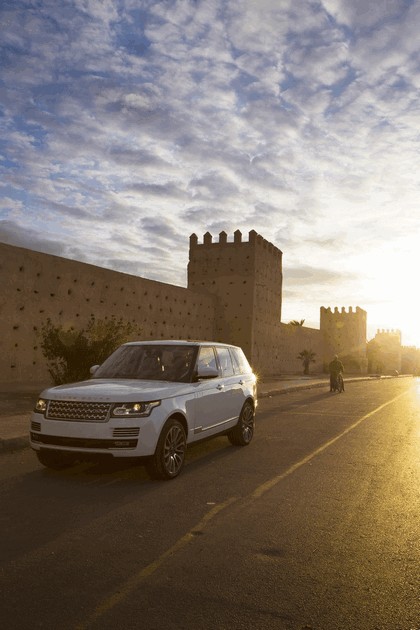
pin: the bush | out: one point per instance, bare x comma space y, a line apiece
71, 353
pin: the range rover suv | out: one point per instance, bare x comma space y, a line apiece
148, 400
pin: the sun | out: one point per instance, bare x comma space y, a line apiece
392, 293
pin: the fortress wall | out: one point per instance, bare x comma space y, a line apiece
276, 349
234, 295
36, 286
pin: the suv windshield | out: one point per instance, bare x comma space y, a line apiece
150, 362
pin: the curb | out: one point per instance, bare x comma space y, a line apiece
287, 390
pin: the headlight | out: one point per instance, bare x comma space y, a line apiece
41, 405
134, 410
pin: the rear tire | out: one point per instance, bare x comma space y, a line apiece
55, 460
169, 457
242, 434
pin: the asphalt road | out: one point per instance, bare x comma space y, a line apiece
314, 526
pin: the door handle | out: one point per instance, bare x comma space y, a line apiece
220, 387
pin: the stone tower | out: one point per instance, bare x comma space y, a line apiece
345, 334
388, 343
246, 278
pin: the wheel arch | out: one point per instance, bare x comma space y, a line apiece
181, 418
251, 400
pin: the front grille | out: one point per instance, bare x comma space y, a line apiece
55, 440
79, 411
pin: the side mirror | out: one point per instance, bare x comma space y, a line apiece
206, 372
93, 369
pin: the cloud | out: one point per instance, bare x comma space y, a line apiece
127, 127
365, 14
12, 234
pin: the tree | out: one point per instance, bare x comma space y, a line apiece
295, 322
307, 357
70, 353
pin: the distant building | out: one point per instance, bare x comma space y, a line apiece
385, 356
410, 360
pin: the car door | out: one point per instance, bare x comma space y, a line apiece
233, 399
211, 410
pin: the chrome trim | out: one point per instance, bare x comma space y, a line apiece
78, 411
214, 426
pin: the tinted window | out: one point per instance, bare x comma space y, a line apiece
240, 362
225, 361
206, 358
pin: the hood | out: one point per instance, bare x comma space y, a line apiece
121, 390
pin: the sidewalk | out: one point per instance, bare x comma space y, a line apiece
16, 404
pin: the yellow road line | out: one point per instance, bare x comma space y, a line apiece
275, 480
135, 580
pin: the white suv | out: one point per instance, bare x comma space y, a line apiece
148, 399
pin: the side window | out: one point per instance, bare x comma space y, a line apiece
225, 361
206, 358
240, 362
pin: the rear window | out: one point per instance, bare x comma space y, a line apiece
240, 362
225, 361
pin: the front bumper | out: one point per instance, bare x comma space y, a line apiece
126, 437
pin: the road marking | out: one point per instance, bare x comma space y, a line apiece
135, 580
265, 487
130, 585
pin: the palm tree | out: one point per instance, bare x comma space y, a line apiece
307, 357
295, 322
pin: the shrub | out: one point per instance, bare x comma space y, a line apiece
70, 353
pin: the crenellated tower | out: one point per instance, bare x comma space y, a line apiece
246, 277
344, 333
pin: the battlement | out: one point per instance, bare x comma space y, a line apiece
327, 311
254, 240
389, 331
388, 336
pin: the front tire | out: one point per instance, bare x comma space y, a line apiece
169, 457
243, 432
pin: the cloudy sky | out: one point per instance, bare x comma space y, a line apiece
127, 125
